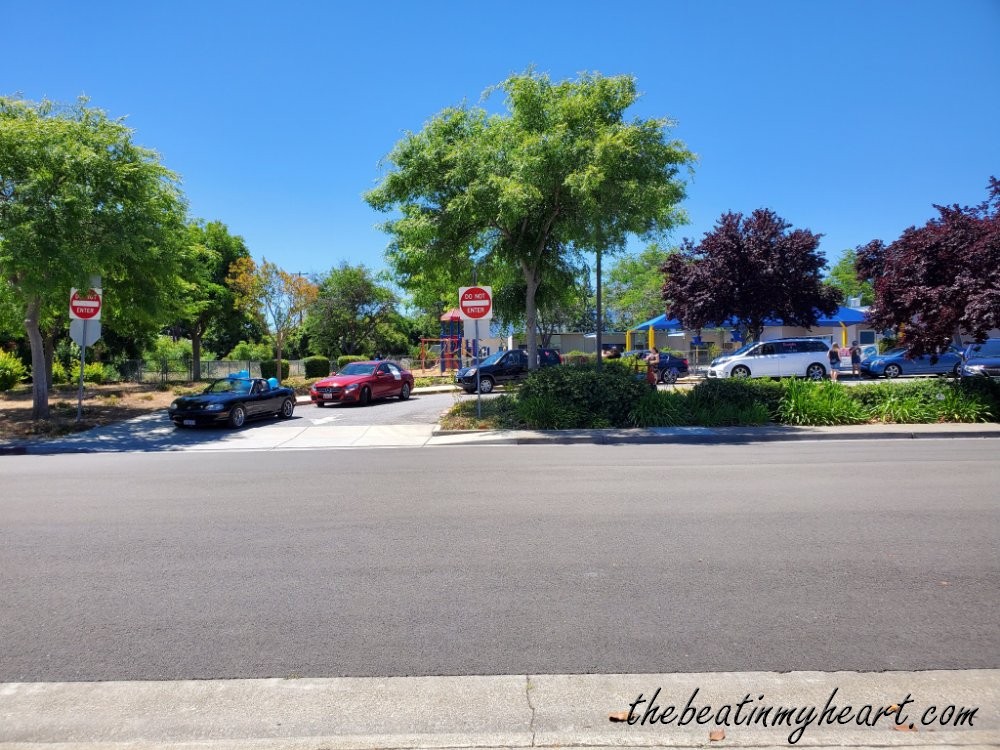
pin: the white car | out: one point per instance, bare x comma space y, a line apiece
779, 358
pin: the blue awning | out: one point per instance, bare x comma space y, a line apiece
846, 315
659, 323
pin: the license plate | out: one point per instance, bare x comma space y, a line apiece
189, 423
328, 396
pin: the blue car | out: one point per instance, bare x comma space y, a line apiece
894, 363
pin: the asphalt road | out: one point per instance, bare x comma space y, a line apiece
506, 560
420, 408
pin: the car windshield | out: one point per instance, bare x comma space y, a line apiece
895, 352
493, 358
742, 350
230, 385
357, 368
988, 349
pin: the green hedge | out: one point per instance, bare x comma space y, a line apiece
346, 359
317, 367
12, 371
268, 368
579, 396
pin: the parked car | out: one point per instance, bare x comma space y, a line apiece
896, 362
363, 382
501, 368
233, 400
779, 358
981, 359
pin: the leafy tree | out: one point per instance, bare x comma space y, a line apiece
940, 279
352, 312
78, 198
279, 299
751, 270
634, 289
207, 300
560, 172
844, 276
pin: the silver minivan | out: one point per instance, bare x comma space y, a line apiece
779, 358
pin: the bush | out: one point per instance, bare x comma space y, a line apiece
12, 371
577, 357
248, 352
93, 372
580, 396
742, 394
59, 373
316, 367
268, 368
660, 409
807, 402
346, 359
985, 391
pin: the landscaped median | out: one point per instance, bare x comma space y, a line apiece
581, 397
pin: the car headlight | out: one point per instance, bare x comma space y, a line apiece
470, 371
215, 407
174, 405
352, 387
974, 369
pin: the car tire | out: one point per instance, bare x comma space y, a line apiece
956, 371
892, 371
740, 371
404, 392
365, 398
815, 371
486, 385
668, 375
238, 416
319, 404
287, 408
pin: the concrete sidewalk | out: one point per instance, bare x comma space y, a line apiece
511, 711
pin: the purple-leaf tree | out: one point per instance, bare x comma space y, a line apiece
941, 279
746, 271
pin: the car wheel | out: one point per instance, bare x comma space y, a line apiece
319, 404
486, 385
365, 398
404, 392
815, 371
740, 372
893, 371
237, 416
287, 407
956, 371
669, 375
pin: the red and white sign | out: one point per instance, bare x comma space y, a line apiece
475, 302
85, 305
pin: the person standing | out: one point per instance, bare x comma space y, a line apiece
855, 359
652, 366
834, 362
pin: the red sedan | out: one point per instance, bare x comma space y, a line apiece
361, 383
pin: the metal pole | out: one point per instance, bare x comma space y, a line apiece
599, 315
83, 358
475, 344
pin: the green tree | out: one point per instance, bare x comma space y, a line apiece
207, 299
844, 276
353, 313
78, 198
634, 290
562, 171
277, 298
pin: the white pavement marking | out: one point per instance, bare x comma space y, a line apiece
512, 711
324, 420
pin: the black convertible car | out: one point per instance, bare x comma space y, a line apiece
234, 400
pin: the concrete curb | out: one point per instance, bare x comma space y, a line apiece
512, 711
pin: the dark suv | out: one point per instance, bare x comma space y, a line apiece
981, 359
502, 367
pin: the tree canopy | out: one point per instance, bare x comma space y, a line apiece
941, 279
352, 313
634, 288
79, 198
559, 173
750, 270
844, 276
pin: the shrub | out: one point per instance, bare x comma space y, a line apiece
268, 368
738, 392
248, 352
660, 409
580, 396
59, 373
346, 359
93, 372
577, 357
317, 367
12, 371
725, 414
985, 391
807, 402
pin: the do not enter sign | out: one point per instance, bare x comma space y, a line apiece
85, 304
475, 302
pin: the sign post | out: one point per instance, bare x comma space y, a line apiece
475, 303
84, 310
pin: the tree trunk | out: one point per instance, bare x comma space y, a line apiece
196, 353
600, 314
39, 384
531, 281
278, 340
49, 347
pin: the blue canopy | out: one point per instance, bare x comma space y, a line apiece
846, 315
659, 323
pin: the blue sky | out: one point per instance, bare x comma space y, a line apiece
849, 118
